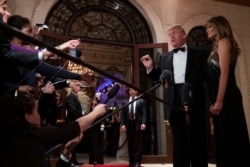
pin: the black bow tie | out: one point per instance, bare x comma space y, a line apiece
181, 49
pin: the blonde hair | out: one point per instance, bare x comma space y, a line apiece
177, 26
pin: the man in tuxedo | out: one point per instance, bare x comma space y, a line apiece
133, 122
187, 65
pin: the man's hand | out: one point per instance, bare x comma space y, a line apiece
100, 109
49, 88
26, 89
71, 44
49, 55
147, 62
143, 126
70, 145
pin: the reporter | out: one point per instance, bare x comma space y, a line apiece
25, 141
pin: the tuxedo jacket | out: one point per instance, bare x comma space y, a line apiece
140, 114
196, 74
74, 108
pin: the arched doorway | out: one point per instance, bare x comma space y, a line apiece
109, 29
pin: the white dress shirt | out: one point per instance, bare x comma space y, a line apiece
134, 103
179, 65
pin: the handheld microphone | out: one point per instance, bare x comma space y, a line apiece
166, 78
187, 98
112, 93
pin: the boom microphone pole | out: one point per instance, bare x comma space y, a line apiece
18, 33
138, 97
112, 93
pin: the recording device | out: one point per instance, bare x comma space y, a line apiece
43, 26
111, 94
166, 78
187, 98
75, 53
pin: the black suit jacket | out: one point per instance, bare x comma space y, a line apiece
140, 114
196, 74
9, 60
74, 108
26, 145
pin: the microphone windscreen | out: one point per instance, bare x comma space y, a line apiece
187, 93
112, 93
166, 76
78, 53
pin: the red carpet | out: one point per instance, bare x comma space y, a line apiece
105, 165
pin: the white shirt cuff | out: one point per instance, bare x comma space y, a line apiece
149, 70
64, 158
40, 55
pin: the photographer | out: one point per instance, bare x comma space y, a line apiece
50, 102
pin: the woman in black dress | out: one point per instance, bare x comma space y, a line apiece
231, 135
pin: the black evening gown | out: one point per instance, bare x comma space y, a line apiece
231, 135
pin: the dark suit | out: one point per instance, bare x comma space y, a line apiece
11, 67
189, 140
74, 108
26, 145
133, 130
74, 111
10, 75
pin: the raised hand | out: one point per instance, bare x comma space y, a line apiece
26, 89
71, 44
100, 109
147, 61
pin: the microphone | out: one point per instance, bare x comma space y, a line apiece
166, 78
75, 53
187, 98
112, 93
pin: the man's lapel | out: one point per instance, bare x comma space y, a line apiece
190, 61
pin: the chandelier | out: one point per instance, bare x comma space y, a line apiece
76, 68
